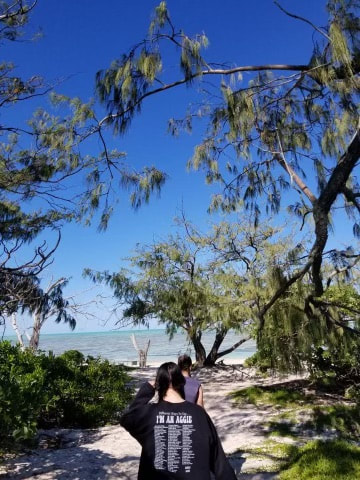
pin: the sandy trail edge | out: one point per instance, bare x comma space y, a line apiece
111, 453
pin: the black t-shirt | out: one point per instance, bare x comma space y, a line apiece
179, 440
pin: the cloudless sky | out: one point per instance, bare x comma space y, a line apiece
81, 37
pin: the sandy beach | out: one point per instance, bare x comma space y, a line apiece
110, 452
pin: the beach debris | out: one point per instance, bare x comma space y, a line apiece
141, 351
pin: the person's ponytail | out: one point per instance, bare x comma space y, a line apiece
169, 375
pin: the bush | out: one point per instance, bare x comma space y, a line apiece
83, 392
259, 361
337, 369
42, 390
21, 392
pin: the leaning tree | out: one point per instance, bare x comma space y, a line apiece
200, 282
292, 126
177, 282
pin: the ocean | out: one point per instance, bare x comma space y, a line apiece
117, 346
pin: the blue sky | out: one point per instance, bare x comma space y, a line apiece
83, 36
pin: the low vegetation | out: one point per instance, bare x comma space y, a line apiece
275, 396
295, 414
344, 419
69, 390
320, 460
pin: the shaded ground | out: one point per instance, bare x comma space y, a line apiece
110, 452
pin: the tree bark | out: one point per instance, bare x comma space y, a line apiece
213, 354
143, 352
36, 328
17, 330
231, 349
200, 352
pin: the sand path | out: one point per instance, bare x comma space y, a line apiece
110, 452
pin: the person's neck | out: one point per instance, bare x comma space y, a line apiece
173, 396
185, 373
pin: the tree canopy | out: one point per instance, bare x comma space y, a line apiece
292, 126
49, 173
202, 282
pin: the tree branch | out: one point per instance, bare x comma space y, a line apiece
231, 349
297, 17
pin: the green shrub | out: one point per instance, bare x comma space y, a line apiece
43, 390
259, 361
21, 392
83, 392
337, 369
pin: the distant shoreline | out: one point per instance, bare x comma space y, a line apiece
226, 361
116, 345
99, 332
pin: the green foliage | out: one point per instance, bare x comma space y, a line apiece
298, 335
65, 391
319, 460
48, 177
182, 283
270, 396
290, 126
337, 368
259, 361
84, 392
22, 381
344, 419
39, 162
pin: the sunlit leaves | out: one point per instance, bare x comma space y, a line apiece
191, 61
340, 51
160, 18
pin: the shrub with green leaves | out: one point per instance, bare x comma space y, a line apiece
70, 390
260, 361
83, 392
338, 368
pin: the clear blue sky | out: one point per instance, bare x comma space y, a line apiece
81, 37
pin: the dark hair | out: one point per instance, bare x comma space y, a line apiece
169, 374
184, 362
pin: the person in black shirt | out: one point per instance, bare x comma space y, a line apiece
178, 439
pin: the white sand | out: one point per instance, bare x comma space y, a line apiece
226, 361
111, 453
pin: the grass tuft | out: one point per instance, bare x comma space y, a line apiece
269, 395
321, 460
344, 419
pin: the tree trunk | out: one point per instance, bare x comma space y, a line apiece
143, 352
200, 352
17, 331
213, 354
35, 336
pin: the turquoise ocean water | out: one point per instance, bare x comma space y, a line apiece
116, 346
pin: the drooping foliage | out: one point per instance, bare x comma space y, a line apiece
198, 282
50, 172
290, 127
179, 282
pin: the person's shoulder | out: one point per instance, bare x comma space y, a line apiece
193, 380
193, 407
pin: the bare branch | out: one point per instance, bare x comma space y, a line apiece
297, 17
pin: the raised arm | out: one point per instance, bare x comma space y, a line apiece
132, 418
